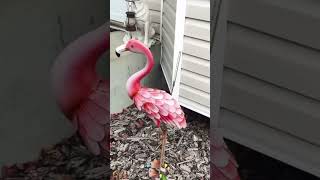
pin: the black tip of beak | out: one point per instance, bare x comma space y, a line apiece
118, 54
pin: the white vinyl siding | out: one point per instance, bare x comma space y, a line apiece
194, 90
270, 79
168, 38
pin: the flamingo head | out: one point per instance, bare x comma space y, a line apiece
132, 45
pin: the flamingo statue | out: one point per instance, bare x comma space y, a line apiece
160, 106
81, 94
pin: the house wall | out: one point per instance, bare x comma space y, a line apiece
29, 118
168, 37
271, 79
194, 90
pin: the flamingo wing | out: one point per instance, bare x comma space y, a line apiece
92, 119
223, 164
160, 107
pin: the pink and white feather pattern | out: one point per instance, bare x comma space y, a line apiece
92, 119
160, 106
223, 164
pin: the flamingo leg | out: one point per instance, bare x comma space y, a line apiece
163, 143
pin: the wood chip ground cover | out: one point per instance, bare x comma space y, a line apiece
67, 160
136, 142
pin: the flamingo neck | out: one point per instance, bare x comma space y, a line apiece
133, 83
74, 74
90, 47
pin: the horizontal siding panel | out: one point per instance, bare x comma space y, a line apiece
274, 60
168, 28
155, 16
199, 9
195, 80
295, 20
195, 106
154, 5
172, 3
197, 28
169, 13
167, 44
195, 95
271, 105
196, 47
167, 69
166, 75
194, 85
167, 54
195, 64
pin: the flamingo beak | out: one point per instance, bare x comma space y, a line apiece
121, 49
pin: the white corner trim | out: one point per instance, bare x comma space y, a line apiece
178, 45
161, 15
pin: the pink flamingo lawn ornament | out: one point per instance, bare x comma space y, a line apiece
80, 93
160, 106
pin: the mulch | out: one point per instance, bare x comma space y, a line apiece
136, 143
67, 160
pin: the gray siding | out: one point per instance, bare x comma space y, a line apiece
270, 77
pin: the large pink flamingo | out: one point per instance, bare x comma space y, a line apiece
160, 106
81, 94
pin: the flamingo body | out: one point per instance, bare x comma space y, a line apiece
79, 91
160, 107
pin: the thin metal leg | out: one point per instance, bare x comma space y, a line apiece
163, 144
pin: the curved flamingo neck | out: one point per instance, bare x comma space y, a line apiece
74, 72
90, 47
133, 83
